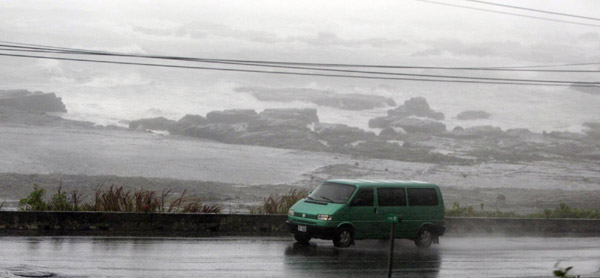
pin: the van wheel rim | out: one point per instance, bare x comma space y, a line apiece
425, 236
345, 237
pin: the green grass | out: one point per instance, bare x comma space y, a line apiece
280, 204
561, 211
115, 199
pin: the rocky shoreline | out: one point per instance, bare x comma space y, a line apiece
411, 132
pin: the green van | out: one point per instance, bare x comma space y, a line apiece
344, 210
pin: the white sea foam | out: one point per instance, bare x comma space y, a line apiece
118, 97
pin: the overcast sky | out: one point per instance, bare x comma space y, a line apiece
395, 32
342, 31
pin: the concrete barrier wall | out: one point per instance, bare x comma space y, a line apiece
172, 224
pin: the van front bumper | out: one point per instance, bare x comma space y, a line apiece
312, 230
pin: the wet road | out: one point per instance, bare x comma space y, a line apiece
281, 257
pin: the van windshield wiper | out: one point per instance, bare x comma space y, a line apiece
326, 199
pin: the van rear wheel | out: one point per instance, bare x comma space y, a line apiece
304, 239
343, 238
424, 238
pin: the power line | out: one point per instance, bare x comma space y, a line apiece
497, 68
576, 84
533, 10
501, 68
352, 71
509, 13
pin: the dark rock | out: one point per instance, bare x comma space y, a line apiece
418, 106
160, 123
32, 102
408, 124
319, 97
306, 115
400, 111
265, 124
286, 139
518, 132
32, 108
411, 125
231, 116
473, 115
476, 132
436, 116
340, 134
190, 119
383, 122
284, 119
392, 132
565, 135
216, 131
186, 122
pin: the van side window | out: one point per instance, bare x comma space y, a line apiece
363, 198
391, 197
422, 197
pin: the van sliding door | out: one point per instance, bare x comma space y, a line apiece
391, 200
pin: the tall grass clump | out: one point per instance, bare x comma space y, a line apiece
35, 200
565, 211
563, 272
280, 204
561, 211
457, 210
115, 199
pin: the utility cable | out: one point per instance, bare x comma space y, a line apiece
502, 68
533, 10
576, 84
365, 72
509, 13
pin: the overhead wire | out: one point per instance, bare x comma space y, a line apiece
462, 79
533, 10
496, 68
372, 72
576, 84
509, 13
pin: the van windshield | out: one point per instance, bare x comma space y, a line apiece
332, 193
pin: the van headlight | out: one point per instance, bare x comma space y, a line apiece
291, 212
325, 217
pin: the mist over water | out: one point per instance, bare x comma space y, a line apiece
118, 98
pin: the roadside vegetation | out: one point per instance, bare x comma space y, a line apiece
115, 199
563, 272
118, 199
561, 211
279, 204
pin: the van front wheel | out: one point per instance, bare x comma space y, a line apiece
343, 238
304, 239
424, 238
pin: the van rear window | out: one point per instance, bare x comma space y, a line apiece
422, 197
391, 197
